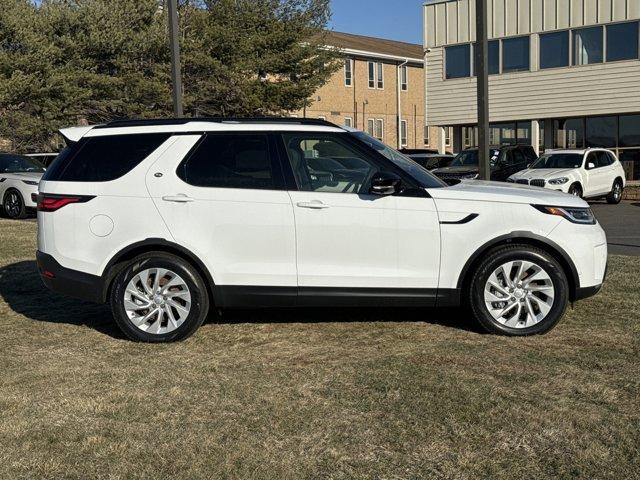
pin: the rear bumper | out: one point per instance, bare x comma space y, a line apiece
69, 282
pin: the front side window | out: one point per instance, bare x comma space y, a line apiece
554, 50
622, 41
515, 54
592, 161
19, 164
458, 61
230, 161
558, 160
587, 46
348, 72
326, 163
103, 159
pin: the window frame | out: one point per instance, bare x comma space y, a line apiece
502, 49
380, 76
371, 122
404, 133
470, 59
348, 72
349, 120
605, 48
427, 135
603, 35
404, 78
379, 122
371, 72
447, 136
569, 37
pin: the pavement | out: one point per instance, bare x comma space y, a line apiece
622, 224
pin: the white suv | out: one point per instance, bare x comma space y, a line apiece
165, 219
590, 173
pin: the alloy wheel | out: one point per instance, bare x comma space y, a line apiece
519, 294
157, 301
12, 205
617, 191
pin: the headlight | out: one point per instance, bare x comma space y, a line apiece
558, 181
30, 182
583, 216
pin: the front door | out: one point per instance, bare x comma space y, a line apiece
598, 177
348, 238
226, 203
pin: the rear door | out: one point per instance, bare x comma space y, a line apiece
226, 202
348, 238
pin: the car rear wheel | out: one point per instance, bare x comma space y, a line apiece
519, 290
575, 190
159, 298
615, 196
13, 205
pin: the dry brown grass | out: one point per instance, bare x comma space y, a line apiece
314, 394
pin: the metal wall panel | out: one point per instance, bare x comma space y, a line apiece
463, 21
536, 15
498, 18
590, 12
441, 24
511, 17
562, 14
550, 15
604, 10
452, 22
620, 9
577, 13
633, 8
524, 16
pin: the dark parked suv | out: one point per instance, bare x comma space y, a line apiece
505, 161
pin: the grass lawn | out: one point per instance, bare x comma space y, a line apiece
314, 393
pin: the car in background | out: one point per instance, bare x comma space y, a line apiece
46, 159
587, 173
417, 151
505, 161
19, 179
431, 161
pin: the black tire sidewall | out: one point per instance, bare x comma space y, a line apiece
611, 197
197, 288
575, 187
23, 210
515, 253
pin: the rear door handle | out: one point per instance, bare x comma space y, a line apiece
315, 205
180, 198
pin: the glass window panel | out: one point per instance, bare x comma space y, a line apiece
502, 134
541, 139
622, 41
458, 61
629, 131
347, 72
569, 133
372, 70
380, 75
602, 131
630, 160
587, 46
494, 57
554, 50
515, 54
523, 130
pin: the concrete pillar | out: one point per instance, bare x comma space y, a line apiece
441, 145
535, 136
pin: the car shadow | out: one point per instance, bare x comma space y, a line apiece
24, 292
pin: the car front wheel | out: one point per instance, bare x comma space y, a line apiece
159, 297
575, 190
519, 290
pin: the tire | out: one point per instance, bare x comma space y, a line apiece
481, 291
615, 196
187, 293
575, 190
13, 205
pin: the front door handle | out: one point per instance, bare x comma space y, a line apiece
315, 205
180, 198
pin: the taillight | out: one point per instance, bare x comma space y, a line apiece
50, 202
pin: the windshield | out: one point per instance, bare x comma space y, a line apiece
18, 164
405, 163
559, 160
469, 158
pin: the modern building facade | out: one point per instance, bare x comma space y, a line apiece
380, 89
563, 73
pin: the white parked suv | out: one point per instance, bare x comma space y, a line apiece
19, 178
166, 219
590, 173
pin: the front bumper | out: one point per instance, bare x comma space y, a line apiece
69, 282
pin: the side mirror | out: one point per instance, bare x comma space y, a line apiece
385, 183
591, 166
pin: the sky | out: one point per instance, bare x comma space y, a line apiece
393, 19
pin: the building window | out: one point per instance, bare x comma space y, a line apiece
426, 135
371, 127
379, 133
403, 134
348, 122
348, 72
404, 78
587, 46
602, 132
629, 131
622, 41
494, 57
554, 50
372, 75
523, 133
515, 54
569, 133
458, 61
380, 75
447, 136
541, 136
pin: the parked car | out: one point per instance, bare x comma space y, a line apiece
431, 161
165, 219
590, 173
19, 178
505, 161
46, 159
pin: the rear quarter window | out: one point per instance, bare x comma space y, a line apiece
102, 159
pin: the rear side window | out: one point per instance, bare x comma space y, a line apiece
102, 159
230, 161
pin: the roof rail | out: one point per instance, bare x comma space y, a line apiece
184, 121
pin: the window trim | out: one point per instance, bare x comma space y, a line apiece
348, 79
572, 36
371, 122
513, 37
569, 33
371, 74
379, 121
350, 119
380, 76
605, 44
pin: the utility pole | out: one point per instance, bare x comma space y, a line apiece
176, 75
482, 71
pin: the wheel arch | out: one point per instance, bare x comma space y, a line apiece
526, 238
120, 259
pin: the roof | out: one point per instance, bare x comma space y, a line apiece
377, 46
